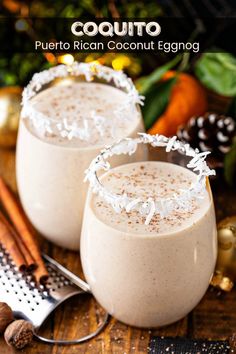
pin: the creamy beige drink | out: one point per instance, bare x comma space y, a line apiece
152, 274
89, 104
52, 156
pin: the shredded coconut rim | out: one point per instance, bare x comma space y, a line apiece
45, 125
150, 207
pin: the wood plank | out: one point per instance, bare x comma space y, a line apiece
179, 329
214, 317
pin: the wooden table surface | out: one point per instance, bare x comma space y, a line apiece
213, 318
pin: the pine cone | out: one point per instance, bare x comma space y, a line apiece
211, 132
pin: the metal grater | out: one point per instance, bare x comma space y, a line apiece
35, 303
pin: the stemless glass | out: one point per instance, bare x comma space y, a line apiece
51, 153
147, 278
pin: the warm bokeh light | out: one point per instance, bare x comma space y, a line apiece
67, 59
96, 62
12, 6
121, 62
89, 58
50, 57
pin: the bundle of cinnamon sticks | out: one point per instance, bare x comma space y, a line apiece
17, 237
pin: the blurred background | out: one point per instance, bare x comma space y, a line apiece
17, 68
177, 87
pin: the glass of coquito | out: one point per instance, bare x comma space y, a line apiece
69, 113
148, 243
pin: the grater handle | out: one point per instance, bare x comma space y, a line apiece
78, 340
71, 276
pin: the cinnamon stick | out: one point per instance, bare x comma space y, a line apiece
40, 275
29, 260
8, 242
20, 223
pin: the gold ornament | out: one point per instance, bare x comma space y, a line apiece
225, 274
10, 99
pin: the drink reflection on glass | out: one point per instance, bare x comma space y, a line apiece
69, 113
148, 242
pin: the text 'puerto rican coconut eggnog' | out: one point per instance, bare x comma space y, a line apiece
69, 113
148, 243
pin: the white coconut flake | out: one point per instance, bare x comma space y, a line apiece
150, 207
89, 71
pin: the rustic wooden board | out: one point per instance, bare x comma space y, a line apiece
214, 317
